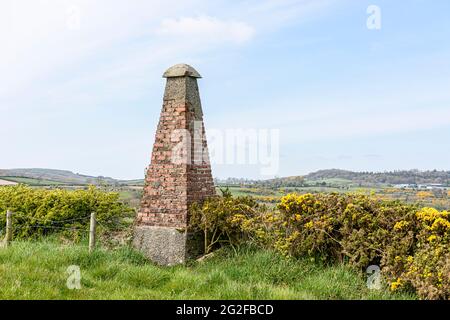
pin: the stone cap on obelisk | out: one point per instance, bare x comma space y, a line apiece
181, 70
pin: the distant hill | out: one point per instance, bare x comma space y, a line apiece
345, 177
391, 177
46, 177
56, 177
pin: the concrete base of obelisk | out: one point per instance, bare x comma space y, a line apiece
166, 245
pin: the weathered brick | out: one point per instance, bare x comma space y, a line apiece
171, 188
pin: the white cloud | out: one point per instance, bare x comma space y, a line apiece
335, 116
207, 28
40, 42
270, 14
59, 71
40, 39
374, 124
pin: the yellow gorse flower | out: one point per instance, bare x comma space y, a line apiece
431, 214
401, 225
309, 225
396, 285
440, 224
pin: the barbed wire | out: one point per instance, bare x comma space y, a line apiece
48, 220
51, 224
47, 227
109, 228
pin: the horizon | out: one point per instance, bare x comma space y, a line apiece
240, 178
342, 92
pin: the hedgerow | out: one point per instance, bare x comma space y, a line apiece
410, 244
214, 219
38, 212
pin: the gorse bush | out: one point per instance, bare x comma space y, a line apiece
428, 270
411, 245
216, 219
38, 212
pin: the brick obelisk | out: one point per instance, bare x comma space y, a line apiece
179, 173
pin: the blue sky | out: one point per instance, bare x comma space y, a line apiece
81, 86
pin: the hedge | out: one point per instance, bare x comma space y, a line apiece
38, 212
411, 245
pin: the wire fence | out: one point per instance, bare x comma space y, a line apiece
48, 227
46, 220
46, 223
15, 224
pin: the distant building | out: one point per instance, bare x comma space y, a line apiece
436, 186
405, 186
427, 186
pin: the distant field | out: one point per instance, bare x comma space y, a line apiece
436, 199
137, 182
31, 181
131, 196
131, 191
332, 181
6, 182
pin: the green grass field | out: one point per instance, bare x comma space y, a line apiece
38, 270
32, 182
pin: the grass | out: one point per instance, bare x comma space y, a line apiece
38, 270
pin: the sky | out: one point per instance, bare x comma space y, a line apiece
346, 86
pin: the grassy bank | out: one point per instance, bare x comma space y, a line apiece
37, 270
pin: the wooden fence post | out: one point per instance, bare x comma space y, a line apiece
92, 228
8, 237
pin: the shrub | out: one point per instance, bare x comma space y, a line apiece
41, 212
218, 219
353, 227
428, 270
411, 245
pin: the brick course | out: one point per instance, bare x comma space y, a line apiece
171, 187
